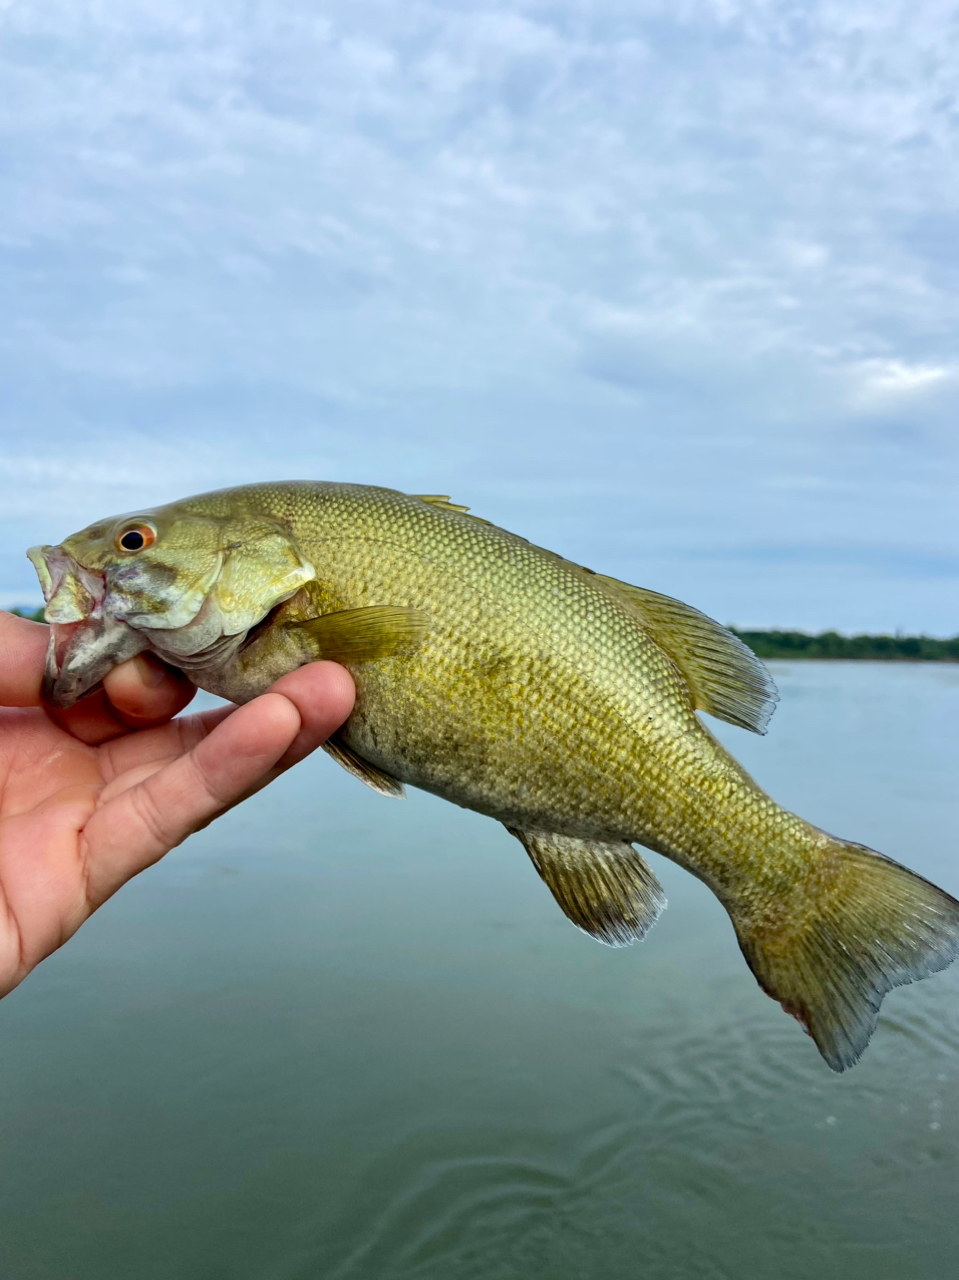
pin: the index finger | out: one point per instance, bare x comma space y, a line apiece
23, 652
137, 694
146, 812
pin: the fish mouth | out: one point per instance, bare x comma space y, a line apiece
86, 639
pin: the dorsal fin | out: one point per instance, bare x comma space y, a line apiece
724, 676
442, 501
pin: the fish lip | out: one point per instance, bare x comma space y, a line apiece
86, 640
52, 691
57, 692
80, 654
71, 591
38, 558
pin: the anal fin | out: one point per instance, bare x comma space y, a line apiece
607, 889
382, 782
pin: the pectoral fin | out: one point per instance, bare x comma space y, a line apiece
361, 635
607, 889
362, 769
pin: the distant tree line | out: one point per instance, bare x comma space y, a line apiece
830, 644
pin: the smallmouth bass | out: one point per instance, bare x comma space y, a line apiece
502, 677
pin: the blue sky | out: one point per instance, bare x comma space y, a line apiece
668, 287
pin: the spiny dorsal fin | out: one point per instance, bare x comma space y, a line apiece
382, 782
362, 635
442, 501
607, 889
724, 676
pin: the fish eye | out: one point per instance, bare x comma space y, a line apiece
136, 537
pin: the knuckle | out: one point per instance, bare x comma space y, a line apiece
203, 780
150, 815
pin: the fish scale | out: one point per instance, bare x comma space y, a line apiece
582, 719
508, 680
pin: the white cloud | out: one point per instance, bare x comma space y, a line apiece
667, 250
889, 383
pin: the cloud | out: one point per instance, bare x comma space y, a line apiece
881, 383
643, 278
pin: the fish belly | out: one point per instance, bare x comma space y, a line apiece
552, 753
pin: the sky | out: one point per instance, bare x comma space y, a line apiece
670, 288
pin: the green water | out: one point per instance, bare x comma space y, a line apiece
339, 1036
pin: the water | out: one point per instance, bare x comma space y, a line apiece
338, 1036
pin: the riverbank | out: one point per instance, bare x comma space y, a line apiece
792, 645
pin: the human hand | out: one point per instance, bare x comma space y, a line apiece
93, 795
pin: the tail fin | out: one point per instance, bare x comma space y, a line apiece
872, 925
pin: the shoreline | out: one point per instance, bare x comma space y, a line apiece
804, 646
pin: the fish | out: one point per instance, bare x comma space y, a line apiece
559, 701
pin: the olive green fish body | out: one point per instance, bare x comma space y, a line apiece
510, 681
537, 698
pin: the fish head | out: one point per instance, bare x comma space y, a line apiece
183, 583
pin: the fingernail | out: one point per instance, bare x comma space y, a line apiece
152, 673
